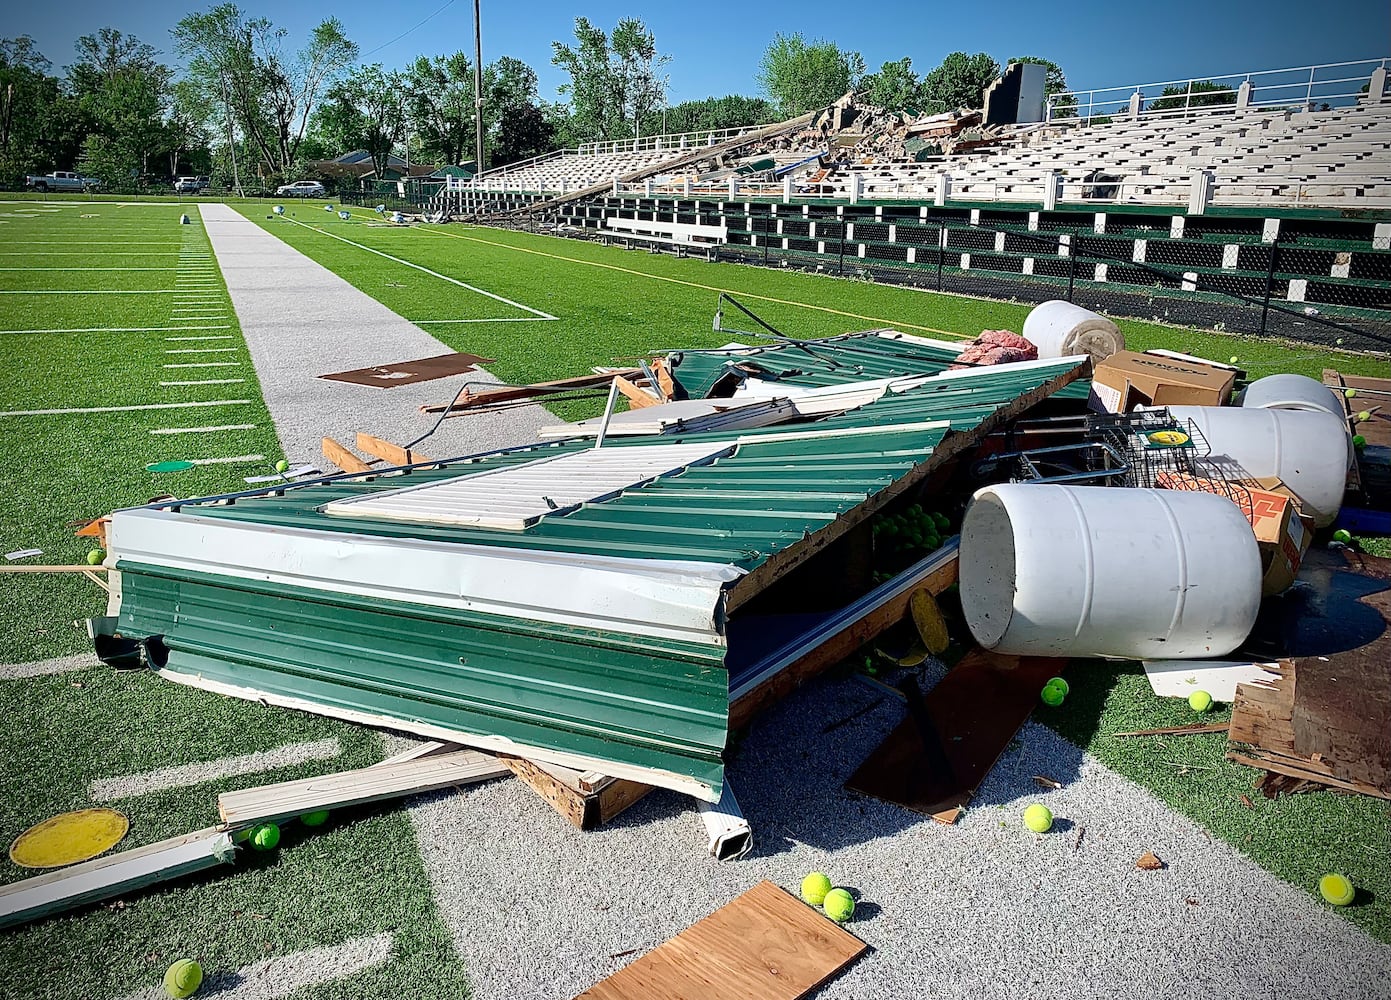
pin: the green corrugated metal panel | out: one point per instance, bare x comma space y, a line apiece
607, 696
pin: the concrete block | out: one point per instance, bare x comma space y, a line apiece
1099, 274
1099, 224
1176, 227
1137, 253
1065, 245
1298, 288
1270, 231
1028, 265
1033, 222
861, 251
912, 255
1342, 263
893, 233
1190, 281
965, 262
1381, 236
1229, 254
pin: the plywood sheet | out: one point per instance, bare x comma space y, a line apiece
408, 372
764, 944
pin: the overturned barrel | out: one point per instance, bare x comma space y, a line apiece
1292, 392
1307, 449
1050, 570
1060, 329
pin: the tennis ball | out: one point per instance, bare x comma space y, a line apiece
814, 888
183, 978
282, 466
1233, 361
1200, 701
95, 557
265, 836
316, 818
1359, 442
1038, 818
1342, 535
1058, 682
1350, 393
1364, 416
839, 905
1052, 696
1336, 889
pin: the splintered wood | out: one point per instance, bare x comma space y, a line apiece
764, 944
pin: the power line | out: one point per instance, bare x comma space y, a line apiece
403, 34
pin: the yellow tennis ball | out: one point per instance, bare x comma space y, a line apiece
1058, 682
1200, 701
1336, 889
839, 905
1350, 393
1038, 818
316, 818
814, 888
265, 836
1364, 416
95, 556
183, 978
282, 466
1052, 695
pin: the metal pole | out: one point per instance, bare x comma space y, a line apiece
608, 413
842, 247
1269, 281
478, 86
1071, 271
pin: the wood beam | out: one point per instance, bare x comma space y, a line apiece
342, 457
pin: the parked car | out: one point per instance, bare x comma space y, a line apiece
300, 189
191, 185
62, 180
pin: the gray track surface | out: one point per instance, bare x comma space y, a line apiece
982, 909
301, 320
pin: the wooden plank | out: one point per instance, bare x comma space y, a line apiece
427, 749
1196, 727
113, 875
268, 803
342, 457
53, 569
764, 944
637, 398
388, 452
586, 804
473, 400
933, 762
1296, 767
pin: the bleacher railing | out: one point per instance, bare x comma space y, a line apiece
1334, 84
674, 141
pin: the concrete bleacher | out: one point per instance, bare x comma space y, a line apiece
567, 170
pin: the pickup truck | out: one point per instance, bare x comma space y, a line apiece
191, 185
62, 180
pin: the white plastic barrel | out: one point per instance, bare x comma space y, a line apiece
1292, 392
1051, 570
1060, 329
1307, 449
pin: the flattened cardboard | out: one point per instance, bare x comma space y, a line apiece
409, 372
1130, 379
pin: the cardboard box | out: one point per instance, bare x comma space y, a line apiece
1283, 534
1130, 379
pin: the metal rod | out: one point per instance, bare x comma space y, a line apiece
478, 86
608, 414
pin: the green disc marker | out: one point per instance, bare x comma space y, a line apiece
174, 465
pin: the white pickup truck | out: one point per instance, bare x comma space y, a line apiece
62, 180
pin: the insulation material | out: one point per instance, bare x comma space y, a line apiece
1060, 329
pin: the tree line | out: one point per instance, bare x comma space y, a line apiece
253, 107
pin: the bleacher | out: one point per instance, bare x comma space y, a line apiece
567, 170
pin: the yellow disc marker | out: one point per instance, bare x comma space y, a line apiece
69, 838
927, 616
1168, 439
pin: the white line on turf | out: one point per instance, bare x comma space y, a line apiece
274, 978
220, 336
122, 409
43, 668
201, 350
208, 381
122, 329
88, 268
88, 291
183, 775
406, 263
204, 430
205, 364
230, 460
504, 319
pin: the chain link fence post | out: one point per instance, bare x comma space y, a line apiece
1269, 281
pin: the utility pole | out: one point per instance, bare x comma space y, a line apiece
478, 87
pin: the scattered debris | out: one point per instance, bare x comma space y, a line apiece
23, 554
409, 372
1149, 862
1193, 727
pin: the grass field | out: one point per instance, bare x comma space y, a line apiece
107, 345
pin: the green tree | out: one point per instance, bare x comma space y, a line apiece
614, 80
439, 105
370, 102
959, 81
103, 56
517, 125
29, 111
895, 87
124, 92
1205, 94
802, 76
731, 111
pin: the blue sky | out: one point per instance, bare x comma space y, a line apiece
716, 51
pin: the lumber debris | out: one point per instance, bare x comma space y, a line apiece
392, 454
1192, 727
763, 944
470, 400
637, 398
387, 780
586, 799
113, 875
53, 569
342, 457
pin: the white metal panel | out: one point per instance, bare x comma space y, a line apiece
684, 416
515, 498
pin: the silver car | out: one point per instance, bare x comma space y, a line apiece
301, 189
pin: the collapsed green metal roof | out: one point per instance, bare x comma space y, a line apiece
594, 638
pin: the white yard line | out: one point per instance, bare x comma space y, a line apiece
183, 775
89, 291
204, 430
123, 409
122, 329
229, 460
201, 350
443, 277
274, 978
88, 268
220, 336
204, 364
44, 668
502, 319
209, 381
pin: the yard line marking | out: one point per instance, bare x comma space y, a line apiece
233, 460
45, 668
426, 270
220, 336
206, 364
275, 978
209, 381
183, 775
89, 291
895, 324
501, 319
122, 409
122, 329
88, 268
205, 430
84, 253
200, 350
